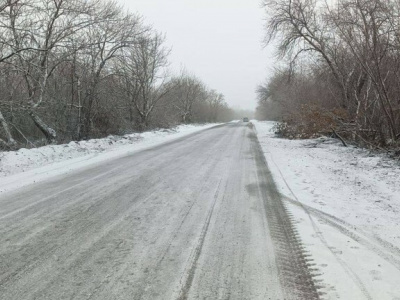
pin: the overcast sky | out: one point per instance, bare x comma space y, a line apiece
220, 41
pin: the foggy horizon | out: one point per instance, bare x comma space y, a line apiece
218, 41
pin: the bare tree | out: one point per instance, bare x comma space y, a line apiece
301, 27
106, 40
369, 31
85, 68
186, 91
42, 30
216, 103
358, 42
6, 53
144, 70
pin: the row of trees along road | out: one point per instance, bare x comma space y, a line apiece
77, 69
342, 70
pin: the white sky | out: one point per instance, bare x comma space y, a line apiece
220, 41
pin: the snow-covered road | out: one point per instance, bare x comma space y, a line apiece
196, 218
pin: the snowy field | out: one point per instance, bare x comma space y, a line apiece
27, 166
346, 204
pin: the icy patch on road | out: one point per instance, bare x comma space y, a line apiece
27, 166
348, 215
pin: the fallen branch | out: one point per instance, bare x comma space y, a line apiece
339, 137
4, 143
20, 132
371, 144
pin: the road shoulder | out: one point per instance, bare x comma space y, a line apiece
345, 203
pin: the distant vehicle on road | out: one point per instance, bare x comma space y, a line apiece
245, 119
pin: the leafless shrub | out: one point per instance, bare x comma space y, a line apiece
351, 50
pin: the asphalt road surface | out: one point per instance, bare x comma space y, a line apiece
196, 218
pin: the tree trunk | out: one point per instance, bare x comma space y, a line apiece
144, 122
86, 126
48, 132
10, 139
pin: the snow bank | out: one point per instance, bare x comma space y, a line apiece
26, 166
346, 203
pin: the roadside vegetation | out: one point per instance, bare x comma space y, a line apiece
340, 70
80, 69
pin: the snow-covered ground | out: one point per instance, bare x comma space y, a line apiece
345, 203
27, 166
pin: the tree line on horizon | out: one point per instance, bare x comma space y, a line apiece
80, 69
341, 70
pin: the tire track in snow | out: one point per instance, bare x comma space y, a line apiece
384, 249
185, 288
296, 274
319, 234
